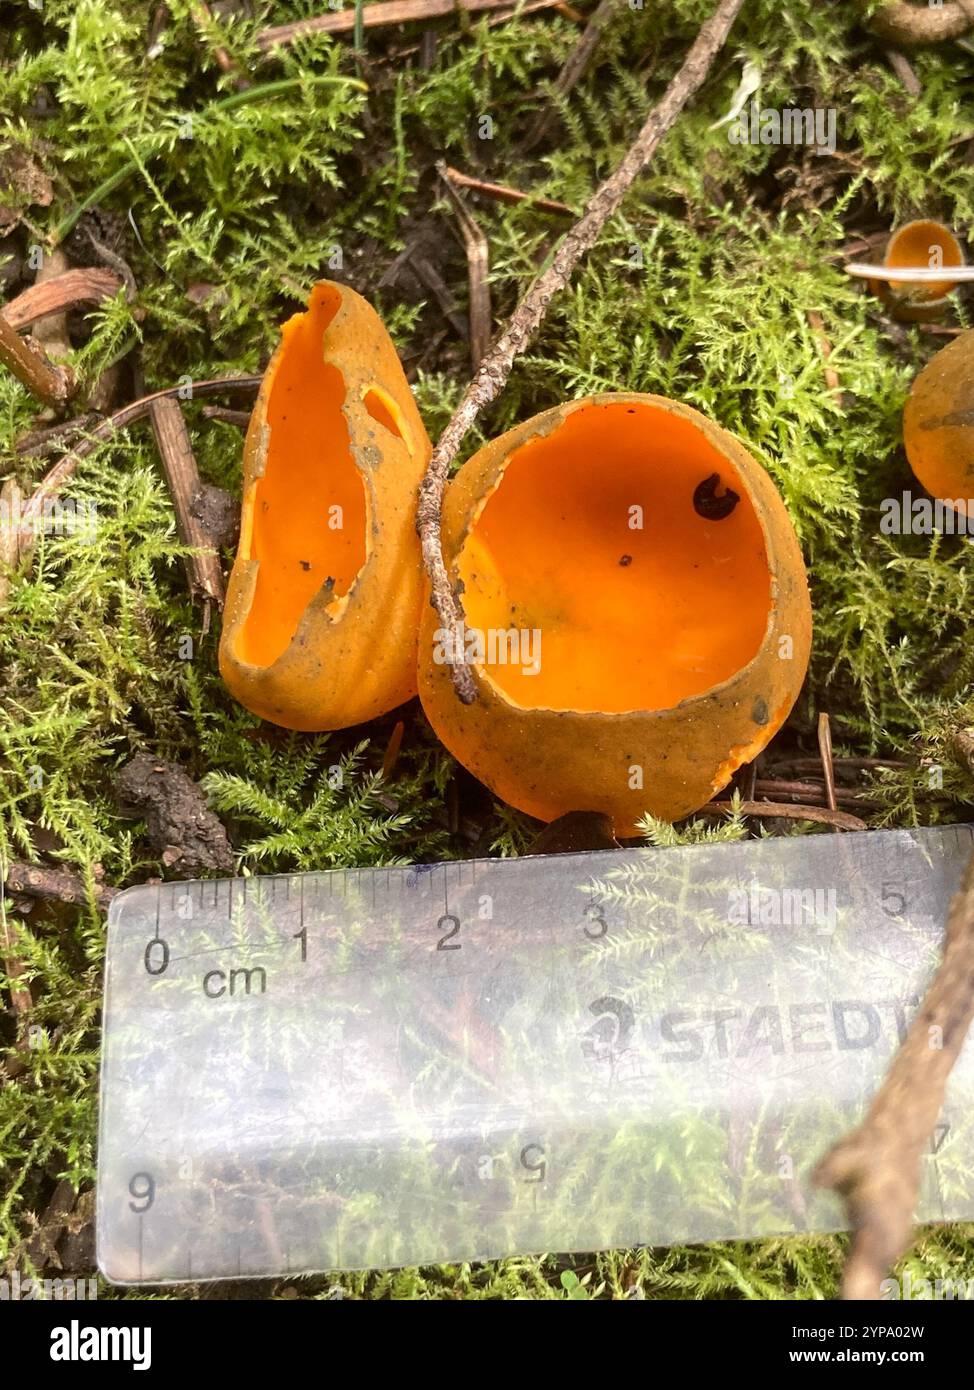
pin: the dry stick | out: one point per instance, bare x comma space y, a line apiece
53, 439
817, 326
903, 69
781, 810
50, 332
39, 881
850, 764
825, 749
437, 286
503, 193
385, 12
876, 1168
202, 17
811, 793
179, 462
503, 17
496, 366
13, 967
81, 286
30, 365
53, 481
10, 503
574, 68
478, 268
900, 22
240, 418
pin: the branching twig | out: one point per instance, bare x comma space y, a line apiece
876, 1168
496, 366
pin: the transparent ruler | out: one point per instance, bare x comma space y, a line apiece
483, 1058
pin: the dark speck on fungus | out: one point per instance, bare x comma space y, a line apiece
707, 504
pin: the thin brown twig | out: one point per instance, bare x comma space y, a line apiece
847, 764
478, 271
437, 286
782, 810
383, 13
503, 193
59, 885
203, 19
52, 439
179, 463
573, 69
876, 1168
51, 384
83, 285
240, 418
817, 326
904, 70
495, 369
10, 504
498, 17
825, 751
781, 789
56, 477
20, 996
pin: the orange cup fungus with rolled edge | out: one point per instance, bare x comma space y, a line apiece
938, 425
637, 612
322, 609
919, 245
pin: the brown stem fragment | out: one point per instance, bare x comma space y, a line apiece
179, 462
52, 482
383, 13
60, 885
51, 384
65, 291
495, 368
825, 749
783, 810
478, 269
503, 193
876, 1168
574, 68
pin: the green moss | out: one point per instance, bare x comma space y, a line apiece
700, 289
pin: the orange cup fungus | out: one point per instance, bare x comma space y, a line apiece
323, 603
637, 613
938, 425
917, 245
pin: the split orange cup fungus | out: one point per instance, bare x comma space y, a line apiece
917, 245
938, 425
323, 603
637, 613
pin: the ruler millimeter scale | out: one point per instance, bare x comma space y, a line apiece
379, 1067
